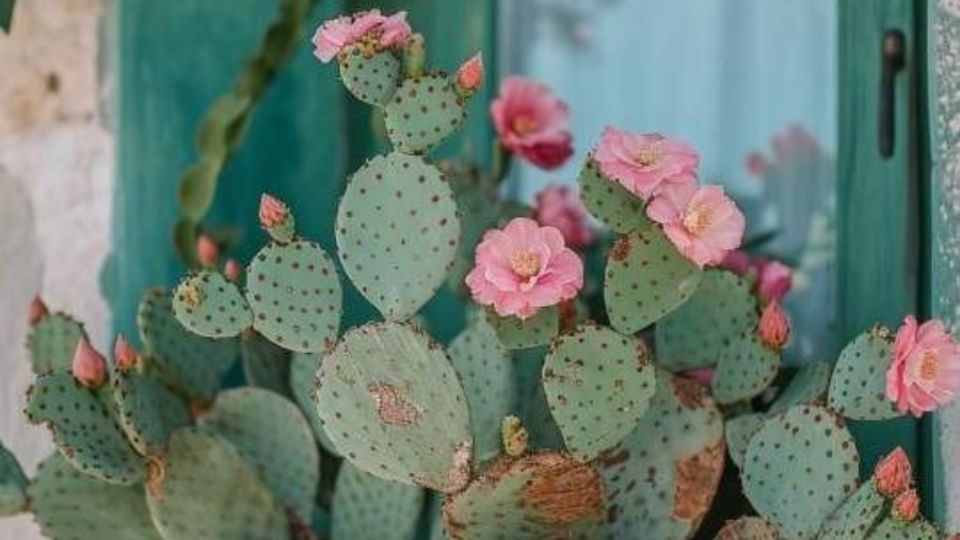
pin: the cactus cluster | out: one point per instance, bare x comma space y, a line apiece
565, 412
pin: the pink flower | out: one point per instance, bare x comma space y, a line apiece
925, 372
558, 206
232, 270
207, 251
702, 222
893, 474
89, 366
523, 268
737, 261
470, 74
531, 122
774, 279
273, 212
906, 507
333, 35
774, 326
643, 163
123, 354
394, 30
37, 311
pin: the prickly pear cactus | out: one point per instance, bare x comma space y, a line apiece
738, 432
303, 375
147, 411
52, 342
480, 209
858, 385
856, 517
746, 368
392, 382
799, 467
204, 490
366, 507
893, 529
265, 364
646, 279
13, 484
295, 295
808, 385
397, 232
100, 449
424, 111
271, 434
372, 77
610, 202
748, 528
541, 495
209, 305
599, 385
516, 333
69, 504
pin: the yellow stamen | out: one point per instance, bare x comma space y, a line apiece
696, 220
649, 156
525, 264
929, 365
524, 125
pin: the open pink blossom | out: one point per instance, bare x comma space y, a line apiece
893, 474
774, 326
559, 206
333, 35
774, 279
532, 123
89, 366
702, 222
37, 311
925, 372
394, 30
123, 354
642, 163
523, 268
906, 507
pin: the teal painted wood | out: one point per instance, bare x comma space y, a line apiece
878, 216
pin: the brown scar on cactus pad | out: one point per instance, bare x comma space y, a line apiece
564, 490
697, 479
621, 249
393, 407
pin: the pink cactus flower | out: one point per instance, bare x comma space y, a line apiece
559, 206
737, 261
232, 270
123, 354
774, 326
643, 163
207, 251
523, 268
756, 164
394, 30
37, 311
906, 507
925, 372
702, 222
273, 212
774, 279
532, 123
893, 474
89, 366
470, 74
333, 35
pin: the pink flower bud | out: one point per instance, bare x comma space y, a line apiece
232, 270
273, 212
207, 251
123, 354
774, 279
703, 376
37, 311
893, 474
89, 366
906, 507
774, 326
470, 74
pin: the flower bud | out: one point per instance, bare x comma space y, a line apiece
893, 474
89, 366
774, 326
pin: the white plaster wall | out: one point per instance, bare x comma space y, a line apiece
56, 166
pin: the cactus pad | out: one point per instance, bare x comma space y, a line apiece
609, 201
746, 368
748, 528
303, 375
423, 112
662, 478
486, 371
371, 78
799, 467
598, 384
808, 385
295, 295
892, 529
532, 405
69, 504
516, 333
265, 365
694, 335
856, 516
148, 412
366, 507
858, 385
83, 429
543, 495
209, 305
13, 484
397, 232
646, 278
194, 364
395, 386
738, 432
52, 342
206, 491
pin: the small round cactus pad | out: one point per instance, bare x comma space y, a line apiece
646, 278
662, 478
366, 507
609, 201
148, 412
598, 384
393, 406
206, 491
68, 504
858, 386
535, 331
12, 484
746, 368
738, 432
209, 305
537, 496
372, 77
83, 429
303, 375
893, 529
270, 433
856, 516
295, 295
799, 467
52, 342
748, 528
423, 112
397, 232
